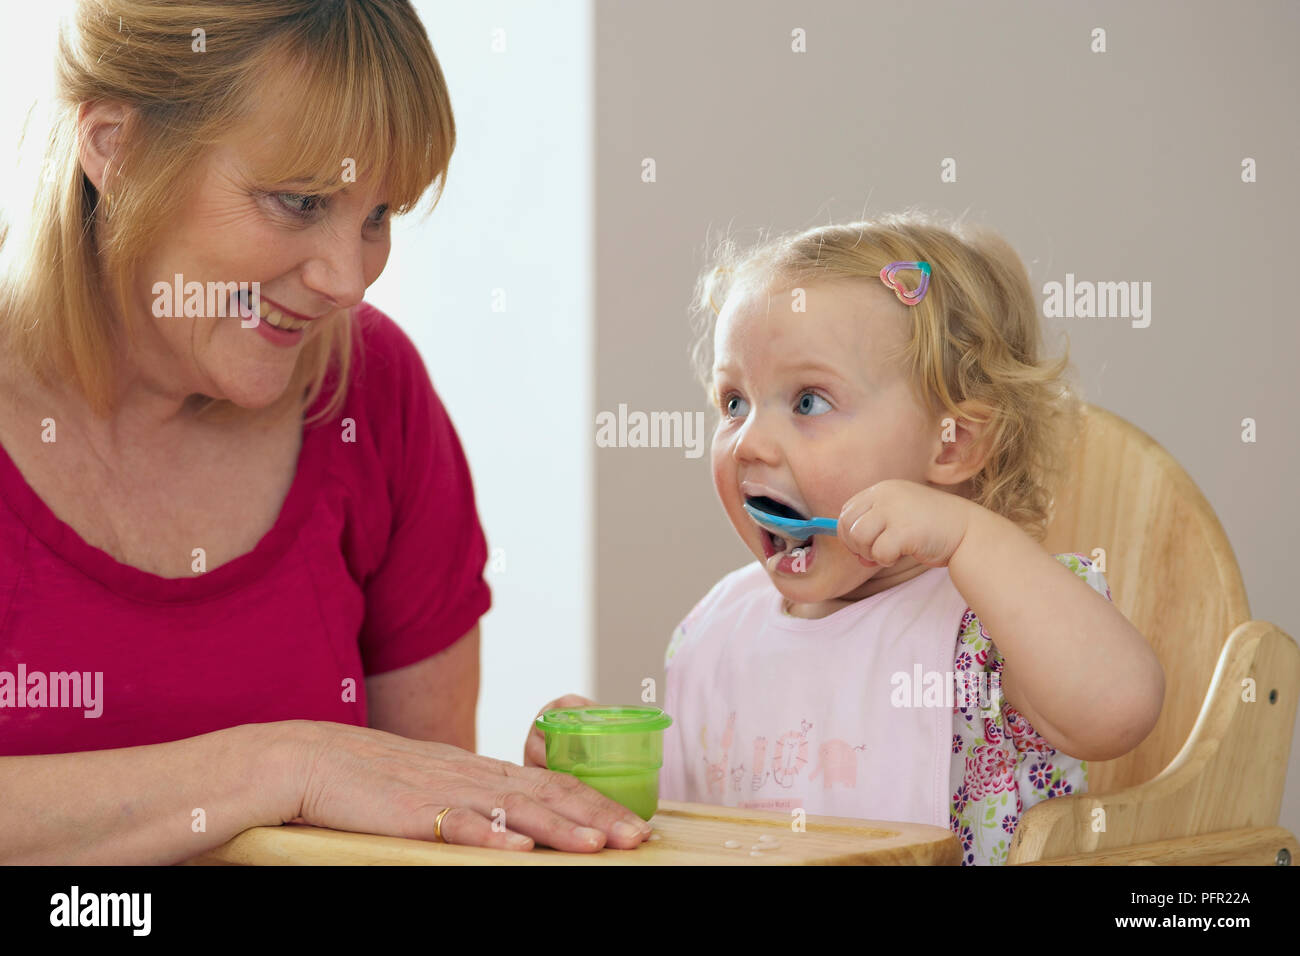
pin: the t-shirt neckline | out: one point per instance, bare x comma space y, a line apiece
129, 581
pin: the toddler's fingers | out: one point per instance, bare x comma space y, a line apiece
853, 510
887, 548
535, 749
535, 745
568, 700
859, 533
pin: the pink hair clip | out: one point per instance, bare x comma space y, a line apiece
887, 276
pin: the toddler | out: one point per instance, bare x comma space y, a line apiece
887, 374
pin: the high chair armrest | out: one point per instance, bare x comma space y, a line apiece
1229, 775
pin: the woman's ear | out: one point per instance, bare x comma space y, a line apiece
962, 446
98, 137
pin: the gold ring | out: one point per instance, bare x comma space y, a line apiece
437, 826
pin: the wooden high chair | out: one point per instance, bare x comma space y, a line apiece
1206, 786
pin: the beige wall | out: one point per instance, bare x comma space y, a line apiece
1123, 165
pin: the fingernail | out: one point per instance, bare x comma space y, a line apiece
519, 841
626, 831
589, 835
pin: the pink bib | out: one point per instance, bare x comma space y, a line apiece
849, 715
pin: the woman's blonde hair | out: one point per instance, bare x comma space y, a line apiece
975, 338
369, 87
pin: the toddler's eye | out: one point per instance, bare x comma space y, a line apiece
735, 405
808, 404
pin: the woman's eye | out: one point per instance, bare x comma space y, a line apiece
380, 216
810, 403
294, 198
735, 405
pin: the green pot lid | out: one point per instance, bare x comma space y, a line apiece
604, 720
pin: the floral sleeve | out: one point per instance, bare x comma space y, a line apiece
1000, 766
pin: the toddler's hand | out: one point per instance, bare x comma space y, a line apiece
898, 517
535, 745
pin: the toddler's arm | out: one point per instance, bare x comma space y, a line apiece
1075, 667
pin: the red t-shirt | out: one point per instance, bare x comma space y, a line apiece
375, 562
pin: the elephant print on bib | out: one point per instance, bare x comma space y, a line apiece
837, 762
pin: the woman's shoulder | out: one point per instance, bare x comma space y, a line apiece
384, 357
391, 435
390, 393
398, 466
381, 333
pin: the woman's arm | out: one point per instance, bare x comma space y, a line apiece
136, 805
434, 699
1084, 676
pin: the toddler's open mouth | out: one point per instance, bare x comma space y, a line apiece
783, 554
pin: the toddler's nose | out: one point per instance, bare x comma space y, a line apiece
756, 441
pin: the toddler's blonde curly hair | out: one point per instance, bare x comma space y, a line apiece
975, 338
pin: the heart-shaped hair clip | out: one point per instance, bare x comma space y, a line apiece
889, 278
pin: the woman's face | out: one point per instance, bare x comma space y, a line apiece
311, 255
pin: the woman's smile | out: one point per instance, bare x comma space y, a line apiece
273, 325
270, 312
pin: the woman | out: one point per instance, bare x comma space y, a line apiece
240, 563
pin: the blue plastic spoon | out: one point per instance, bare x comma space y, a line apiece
792, 529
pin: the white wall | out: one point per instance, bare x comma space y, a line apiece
516, 216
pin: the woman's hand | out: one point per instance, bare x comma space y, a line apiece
535, 745
369, 781
898, 517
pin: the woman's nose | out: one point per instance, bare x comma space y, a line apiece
337, 271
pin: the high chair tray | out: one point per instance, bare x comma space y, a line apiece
688, 834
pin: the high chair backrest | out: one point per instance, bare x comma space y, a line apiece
1170, 569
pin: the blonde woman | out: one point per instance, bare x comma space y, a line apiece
240, 562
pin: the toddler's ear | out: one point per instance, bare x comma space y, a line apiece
962, 444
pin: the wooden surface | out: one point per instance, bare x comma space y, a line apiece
689, 834
1258, 847
1170, 568
1229, 776
1216, 761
